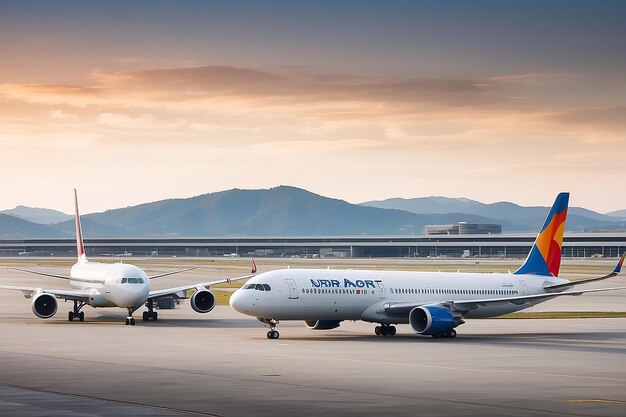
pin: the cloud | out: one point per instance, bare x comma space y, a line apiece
258, 103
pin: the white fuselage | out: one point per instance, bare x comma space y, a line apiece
111, 285
322, 294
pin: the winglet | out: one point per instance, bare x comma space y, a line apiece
618, 267
545, 255
80, 247
253, 271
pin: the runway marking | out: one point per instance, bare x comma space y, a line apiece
455, 368
597, 400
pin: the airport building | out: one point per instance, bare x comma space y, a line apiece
577, 245
463, 228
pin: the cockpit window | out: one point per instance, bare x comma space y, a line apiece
132, 280
258, 287
124, 280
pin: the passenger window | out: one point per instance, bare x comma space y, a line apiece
267, 287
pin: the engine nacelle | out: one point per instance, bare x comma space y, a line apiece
431, 320
202, 301
45, 305
322, 324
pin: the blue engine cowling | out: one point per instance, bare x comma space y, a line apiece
431, 320
322, 324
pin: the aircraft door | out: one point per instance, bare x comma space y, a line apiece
524, 287
293, 289
381, 289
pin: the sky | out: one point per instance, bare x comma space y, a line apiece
131, 102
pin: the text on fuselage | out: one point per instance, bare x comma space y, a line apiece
334, 283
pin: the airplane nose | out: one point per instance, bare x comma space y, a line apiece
238, 302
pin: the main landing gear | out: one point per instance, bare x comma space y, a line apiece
385, 330
76, 313
150, 314
130, 320
451, 334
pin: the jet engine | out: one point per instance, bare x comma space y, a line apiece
431, 320
45, 305
202, 301
322, 324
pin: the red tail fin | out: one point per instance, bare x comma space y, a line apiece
80, 247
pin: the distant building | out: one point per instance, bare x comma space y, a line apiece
464, 228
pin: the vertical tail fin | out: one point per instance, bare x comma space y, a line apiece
545, 256
80, 247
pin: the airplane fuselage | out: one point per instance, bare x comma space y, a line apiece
111, 285
321, 294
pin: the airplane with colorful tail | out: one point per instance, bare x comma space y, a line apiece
112, 285
432, 303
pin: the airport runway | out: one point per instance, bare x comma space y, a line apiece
221, 364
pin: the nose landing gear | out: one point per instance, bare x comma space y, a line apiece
271, 323
130, 320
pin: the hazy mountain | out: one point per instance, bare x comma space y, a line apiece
12, 227
282, 210
289, 211
578, 219
621, 214
37, 215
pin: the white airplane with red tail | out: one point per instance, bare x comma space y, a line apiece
112, 285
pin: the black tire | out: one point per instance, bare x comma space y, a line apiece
146, 316
132, 321
377, 330
155, 316
127, 321
70, 316
392, 330
452, 334
270, 335
276, 334
384, 330
81, 316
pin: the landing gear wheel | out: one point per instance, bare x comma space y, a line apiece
392, 330
127, 321
146, 316
377, 330
273, 334
384, 330
81, 316
452, 334
132, 321
155, 316
70, 316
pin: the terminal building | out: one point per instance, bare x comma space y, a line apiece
576, 245
464, 228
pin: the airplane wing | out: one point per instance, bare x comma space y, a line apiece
172, 272
29, 292
615, 272
180, 291
464, 306
45, 274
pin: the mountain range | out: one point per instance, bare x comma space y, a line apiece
287, 211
